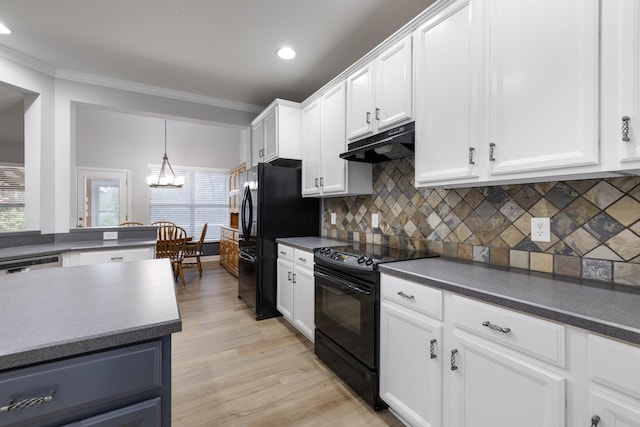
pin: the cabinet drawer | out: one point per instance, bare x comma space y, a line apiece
285, 252
410, 294
106, 256
144, 414
303, 258
79, 382
614, 364
536, 337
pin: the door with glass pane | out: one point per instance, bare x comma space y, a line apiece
102, 197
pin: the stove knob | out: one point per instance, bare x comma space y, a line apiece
361, 260
324, 250
369, 261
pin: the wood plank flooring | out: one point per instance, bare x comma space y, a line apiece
230, 370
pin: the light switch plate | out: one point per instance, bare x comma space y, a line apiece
540, 230
333, 218
374, 220
109, 235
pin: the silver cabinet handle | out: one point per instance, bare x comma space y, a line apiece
491, 148
294, 277
27, 403
321, 181
302, 259
117, 258
289, 275
496, 327
403, 295
283, 252
625, 128
454, 367
316, 182
432, 348
471, 152
595, 420
377, 114
368, 119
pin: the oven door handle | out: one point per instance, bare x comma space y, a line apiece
341, 282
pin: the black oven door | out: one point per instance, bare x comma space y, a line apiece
345, 312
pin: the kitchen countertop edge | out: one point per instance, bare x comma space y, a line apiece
17, 252
310, 243
529, 299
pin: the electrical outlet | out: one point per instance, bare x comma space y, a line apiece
374, 220
109, 235
540, 230
333, 218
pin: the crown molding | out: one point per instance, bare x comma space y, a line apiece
97, 80
27, 61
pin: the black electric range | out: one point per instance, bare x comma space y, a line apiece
347, 311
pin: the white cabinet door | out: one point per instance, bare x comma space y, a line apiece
394, 85
621, 81
447, 98
311, 149
284, 299
257, 143
492, 388
303, 301
410, 365
271, 135
543, 84
360, 102
333, 141
609, 411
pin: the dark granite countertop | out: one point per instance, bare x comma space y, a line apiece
17, 252
65, 311
310, 243
612, 310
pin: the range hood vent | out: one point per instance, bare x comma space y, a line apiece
393, 144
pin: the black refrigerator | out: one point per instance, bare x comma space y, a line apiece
272, 207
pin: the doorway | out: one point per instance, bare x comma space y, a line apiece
102, 199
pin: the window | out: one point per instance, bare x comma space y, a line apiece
202, 199
11, 198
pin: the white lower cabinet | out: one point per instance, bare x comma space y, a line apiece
296, 289
101, 256
410, 364
491, 387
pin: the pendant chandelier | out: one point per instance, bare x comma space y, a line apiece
166, 178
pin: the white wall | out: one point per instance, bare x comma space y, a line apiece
116, 140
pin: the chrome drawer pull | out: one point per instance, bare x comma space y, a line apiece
595, 420
302, 259
27, 403
283, 253
492, 146
117, 258
471, 151
432, 348
289, 275
496, 327
402, 294
454, 367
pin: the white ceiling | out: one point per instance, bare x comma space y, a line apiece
219, 48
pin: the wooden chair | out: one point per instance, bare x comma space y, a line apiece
171, 244
194, 250
131, 224
161, 223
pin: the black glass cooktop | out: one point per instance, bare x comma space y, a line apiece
368, 255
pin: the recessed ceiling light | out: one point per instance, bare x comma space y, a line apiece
286, 53
4, 29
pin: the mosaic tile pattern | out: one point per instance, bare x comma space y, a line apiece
595, 224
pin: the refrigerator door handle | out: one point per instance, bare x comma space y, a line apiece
243, 209
250, 224
246, 257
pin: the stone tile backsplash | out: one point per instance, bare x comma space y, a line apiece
595, 224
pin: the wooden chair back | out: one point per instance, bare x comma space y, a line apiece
171, 242
131, 224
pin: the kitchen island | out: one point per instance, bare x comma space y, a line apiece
88, 344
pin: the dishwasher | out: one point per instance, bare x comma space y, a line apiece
21, 265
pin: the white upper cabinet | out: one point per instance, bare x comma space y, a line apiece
447, 99
499, 100
379, 95
324, 173
542, 63
276, 133
620, 115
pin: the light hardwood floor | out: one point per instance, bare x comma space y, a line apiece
230, 370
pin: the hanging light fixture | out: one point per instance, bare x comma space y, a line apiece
166, 178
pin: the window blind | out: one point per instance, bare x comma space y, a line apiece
204, 198
11, 198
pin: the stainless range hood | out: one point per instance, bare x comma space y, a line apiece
393, 144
